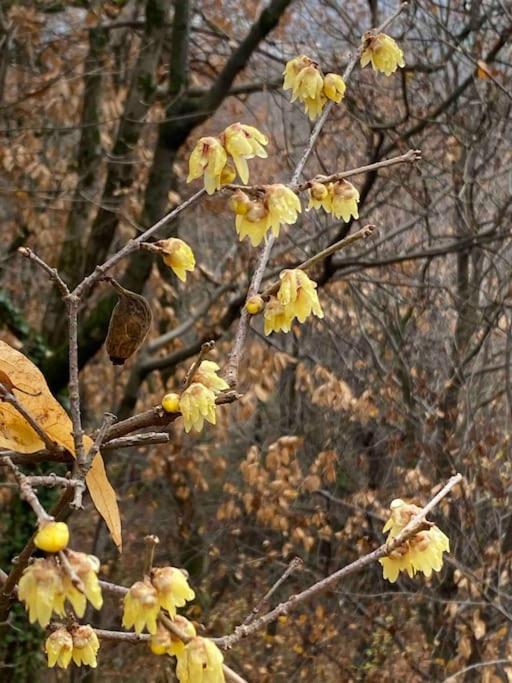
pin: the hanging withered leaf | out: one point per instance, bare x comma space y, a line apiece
20, 376
129, 324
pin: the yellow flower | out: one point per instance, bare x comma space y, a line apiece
302, 76
244, 142
164, 642
171, 403
334, 87
344, 200
52, 537
383, 52
423, 552
86, 567
279, 205
172, 588
283, 206
85, 646
297, 293
141, 607
39, 588
319, 197
254, 304
292, 70
58, 647
276, 317
208, 158
200, 662
254, 223
197, 404
206, 374
177, 255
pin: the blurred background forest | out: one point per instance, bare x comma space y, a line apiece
406, 380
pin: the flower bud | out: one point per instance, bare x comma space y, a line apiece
171, 403
318, 191
254, 304
52, 537
239, 203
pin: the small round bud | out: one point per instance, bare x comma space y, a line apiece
239, 203
52, 537
171, 403
318, 191
254, 304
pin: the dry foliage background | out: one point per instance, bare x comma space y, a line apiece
406, 380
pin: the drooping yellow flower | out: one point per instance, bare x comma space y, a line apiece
164, 642
177, 255
276, 317
197, 404
52, 537
344, 200
279, 205
141, 607
171, 403
206, 374
383, 52
200, 662
86, 567
334, 87
208, 158
303, 77
59, 647
254, 223
297, 293
319, 197
283, 206
40, 588
244, 142
85, 646
423, 552
172, 588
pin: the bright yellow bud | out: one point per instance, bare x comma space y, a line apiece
52, 537
177, 255
254, 304
171, 403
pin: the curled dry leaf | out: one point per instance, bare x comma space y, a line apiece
29, 386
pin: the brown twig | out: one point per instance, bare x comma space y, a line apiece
416, 523
295, 564
28, 494
362, 234
9, 397
151, 542
51, 272
205, 349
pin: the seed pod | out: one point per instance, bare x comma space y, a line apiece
129, 324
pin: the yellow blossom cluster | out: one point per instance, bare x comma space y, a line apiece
339, 198
213, 158
165, 588
423, 552
296, 298
80, 643
304, 78
177, 255
383, 53
46, 585
276, 205
197, 402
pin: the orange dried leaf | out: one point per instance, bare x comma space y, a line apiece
29, 386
